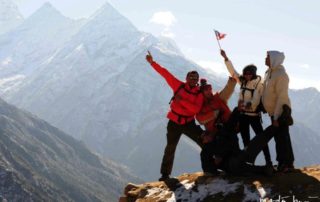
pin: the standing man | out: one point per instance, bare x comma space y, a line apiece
184, 105
275, 98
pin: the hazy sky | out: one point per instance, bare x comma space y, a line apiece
252, 27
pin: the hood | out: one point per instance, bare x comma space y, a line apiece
276, 58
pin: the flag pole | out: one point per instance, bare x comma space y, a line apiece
215, 33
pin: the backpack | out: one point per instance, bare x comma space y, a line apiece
260, 107
285, 118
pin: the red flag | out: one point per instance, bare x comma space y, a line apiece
219, 35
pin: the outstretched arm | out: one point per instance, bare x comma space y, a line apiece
227, 91
172, 81
231, 69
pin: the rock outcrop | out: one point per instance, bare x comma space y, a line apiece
301, 185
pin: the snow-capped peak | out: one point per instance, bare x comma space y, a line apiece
110, 17
46, 15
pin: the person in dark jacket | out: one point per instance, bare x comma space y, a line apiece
185, 104
223, 152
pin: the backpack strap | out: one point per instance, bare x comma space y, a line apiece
179, 88
243, 88
176, 92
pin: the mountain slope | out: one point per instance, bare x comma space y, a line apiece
85, 87
10, 17
42, 158
306, 109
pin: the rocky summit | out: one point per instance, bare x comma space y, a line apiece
300, 185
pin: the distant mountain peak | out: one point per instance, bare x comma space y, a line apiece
46, 12
108, 15
107, 8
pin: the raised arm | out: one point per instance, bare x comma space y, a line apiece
230, 67
172, 81
227, 91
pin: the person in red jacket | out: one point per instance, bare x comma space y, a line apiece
215, 110
184, 105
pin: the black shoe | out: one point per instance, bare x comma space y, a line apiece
164, 177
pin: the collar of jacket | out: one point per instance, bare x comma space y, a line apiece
194, 89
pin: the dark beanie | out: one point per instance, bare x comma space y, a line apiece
252, 69
204, 84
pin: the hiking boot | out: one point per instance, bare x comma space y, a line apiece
164, 177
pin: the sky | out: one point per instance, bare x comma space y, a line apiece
252, 28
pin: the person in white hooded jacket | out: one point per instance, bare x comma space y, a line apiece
249, 98
274, 97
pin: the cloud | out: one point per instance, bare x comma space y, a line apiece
305, 66
165, 18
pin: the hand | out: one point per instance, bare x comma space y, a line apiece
224, 55
232, 79
149, 57
240, 105
248, 106
275, 123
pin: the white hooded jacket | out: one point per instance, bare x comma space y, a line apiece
275, 86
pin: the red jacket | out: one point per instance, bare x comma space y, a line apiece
211, 110
181, 110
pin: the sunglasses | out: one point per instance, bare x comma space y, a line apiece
193, 77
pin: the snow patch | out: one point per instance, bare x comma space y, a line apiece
189, 192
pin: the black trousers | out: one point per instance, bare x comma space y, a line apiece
224, 144
174, 132
245, 122
283, 146
234, 161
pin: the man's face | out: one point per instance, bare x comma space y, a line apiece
192, 79
267, 60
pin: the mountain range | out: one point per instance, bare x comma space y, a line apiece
90, 79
